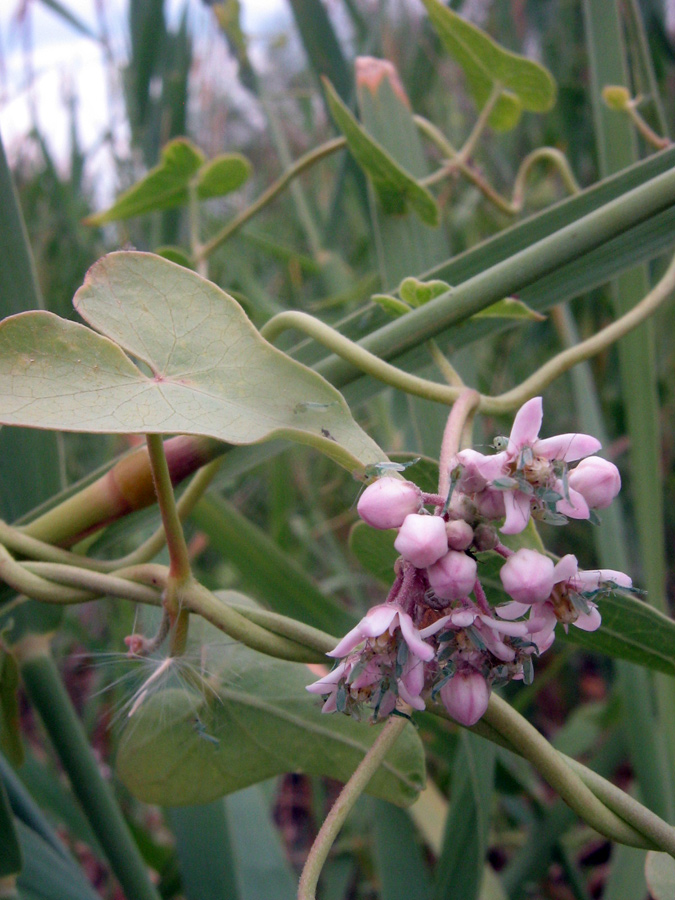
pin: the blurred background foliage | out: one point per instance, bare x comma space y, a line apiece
193, 71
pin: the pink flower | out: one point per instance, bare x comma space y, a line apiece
466, 696
422, 540
525, 434
597, 480
375, 674
527, 576
386, 502
453, 575
567, 601
380, 620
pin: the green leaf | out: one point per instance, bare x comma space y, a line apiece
222, 175
460, 866
181, 748
210, 371
416, 293
46, 873
164, 187
632, 630
262, 866
526, 84
398, 856
205, 853
10, 849
660, 872
510, 308
391, 305
396, 189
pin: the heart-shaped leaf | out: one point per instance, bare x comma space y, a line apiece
222, 175
526, 84
416, 293
181, 748
164, 187
167, 185
208, 370
396, 189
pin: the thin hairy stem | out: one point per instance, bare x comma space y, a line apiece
391, 731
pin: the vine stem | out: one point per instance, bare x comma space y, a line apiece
372, 365
391, 731
460, 417
180, 571
525, 738
301, 165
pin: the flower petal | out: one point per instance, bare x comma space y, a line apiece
513, 629
412, 638
576, 508
517, 506
565, 568
567, 447
526, 425
512, 610
589, 621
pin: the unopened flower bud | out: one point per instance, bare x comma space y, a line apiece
527, 576
386, 502
460, 534
453, 576
485, 537
422, 540
466, 696
597, 480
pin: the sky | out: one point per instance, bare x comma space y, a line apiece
66, 63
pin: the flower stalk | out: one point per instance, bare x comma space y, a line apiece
364, 772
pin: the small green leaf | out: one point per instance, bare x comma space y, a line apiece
417, 293
391, 305
510, 308
526, 84
222, 175
181, 748
396, 189
164, 187
210, 371
660, 874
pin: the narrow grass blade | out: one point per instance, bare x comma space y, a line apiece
204, 850
261, 865
398, 858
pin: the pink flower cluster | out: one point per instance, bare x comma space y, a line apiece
437, 633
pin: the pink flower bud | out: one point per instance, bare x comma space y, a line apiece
466, 696
527, 576
422, 540
460, 534
453, 576
386, 502
597, 480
